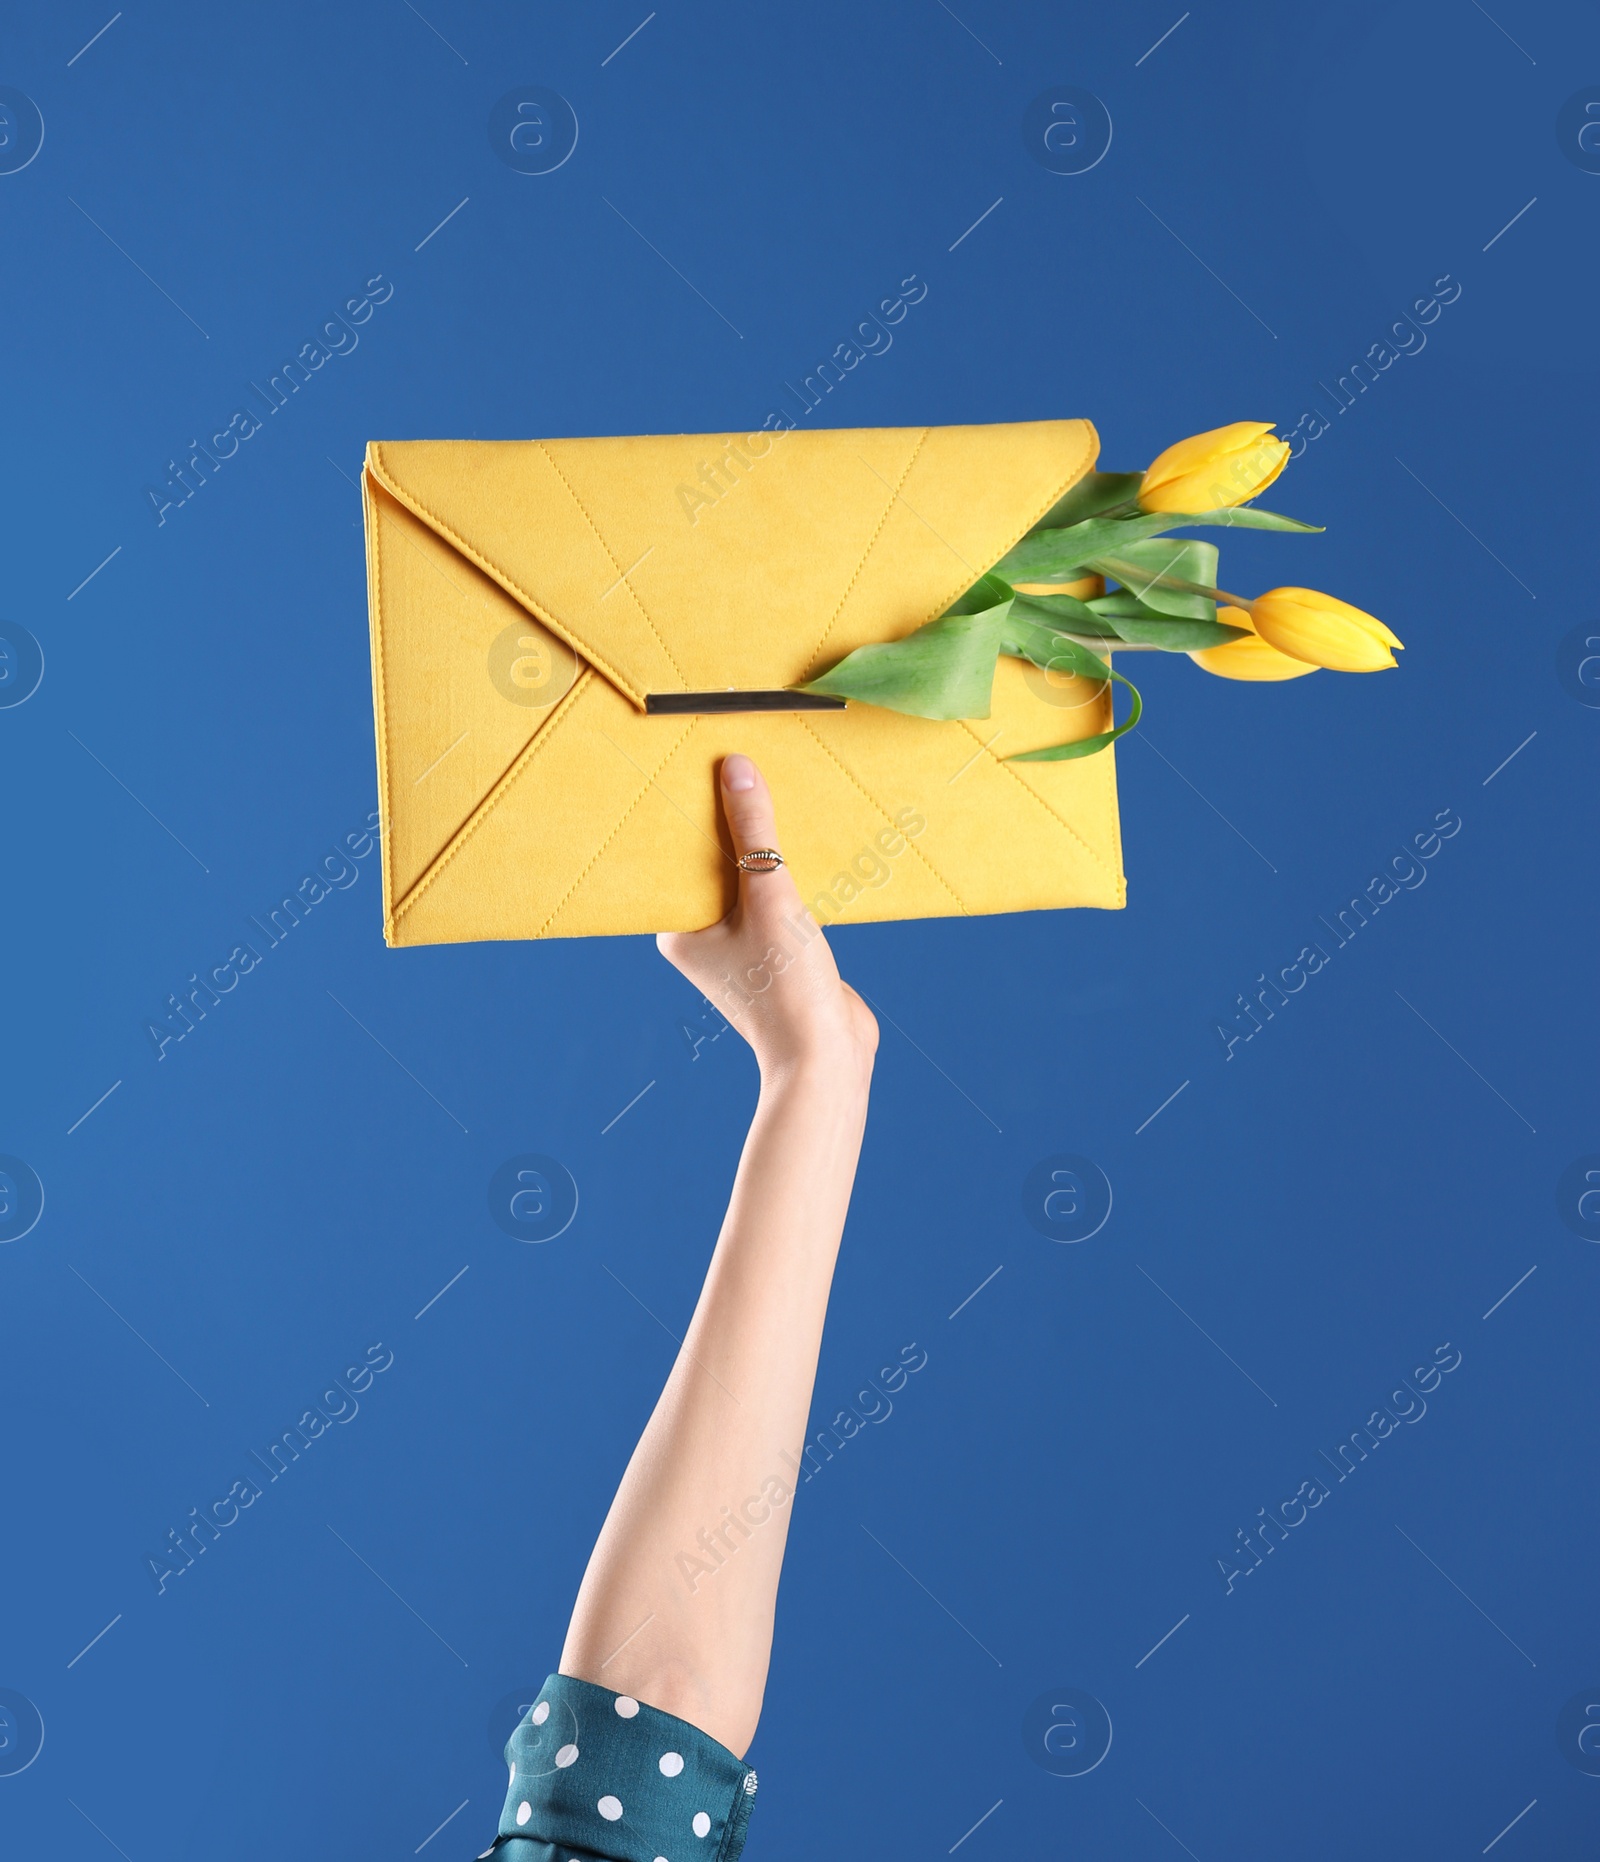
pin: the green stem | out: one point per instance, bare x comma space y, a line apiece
1127, 573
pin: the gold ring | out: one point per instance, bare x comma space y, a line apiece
760, 860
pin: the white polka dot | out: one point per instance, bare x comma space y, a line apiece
626, 1706
568, 1755
671, 1764
610, 1808
702, 1823
541, 1713
524, 1812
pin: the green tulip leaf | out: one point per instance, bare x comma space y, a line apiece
943, 670
1249, 517
1023, 637
987, 592
1088, 746
1026, 639
1063, 612
1094, 493
1058, 555
1119, 604
1134, 621
1167, 574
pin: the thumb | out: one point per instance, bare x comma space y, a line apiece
753, 826
747, 803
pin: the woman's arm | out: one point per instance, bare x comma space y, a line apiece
676, 1607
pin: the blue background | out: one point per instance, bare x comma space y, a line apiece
1351, 1190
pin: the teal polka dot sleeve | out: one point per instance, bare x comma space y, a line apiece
600, 1777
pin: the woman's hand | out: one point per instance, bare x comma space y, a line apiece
767, 966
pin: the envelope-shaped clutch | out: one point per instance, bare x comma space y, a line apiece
568, 636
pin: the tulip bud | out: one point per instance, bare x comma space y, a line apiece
1323, 630
1215, 471
1250, 658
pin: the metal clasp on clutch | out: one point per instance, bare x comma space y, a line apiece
716, 703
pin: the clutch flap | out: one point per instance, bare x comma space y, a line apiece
696, 562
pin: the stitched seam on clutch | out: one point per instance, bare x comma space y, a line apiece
1093, 852
611, 557
496, 795
542, 611
1091, 447
965, 908
1090, 451
894, 496
650, 782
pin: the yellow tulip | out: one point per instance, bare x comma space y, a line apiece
1323, 630
1249, 658
1215, 471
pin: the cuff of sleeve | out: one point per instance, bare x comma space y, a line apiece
603, 1772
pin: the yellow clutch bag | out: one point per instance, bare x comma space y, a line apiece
568, 635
